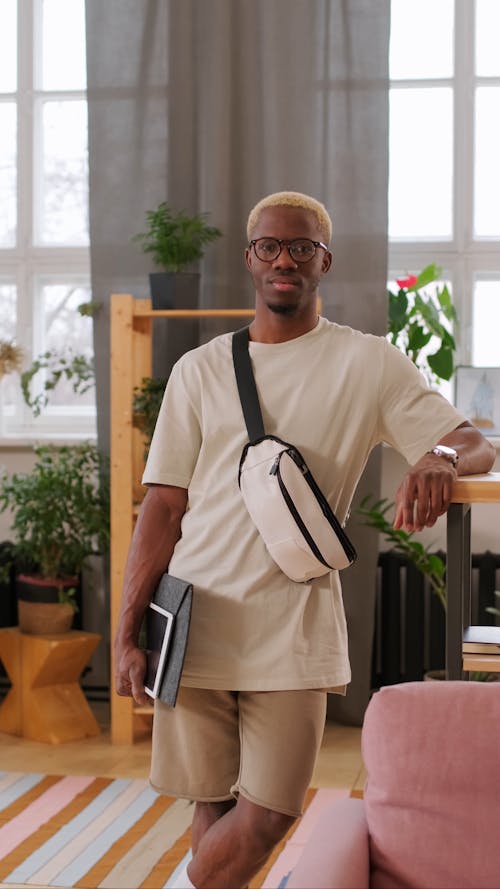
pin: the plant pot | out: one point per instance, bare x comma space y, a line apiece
434, 675
173, 337
39, 609
174, 290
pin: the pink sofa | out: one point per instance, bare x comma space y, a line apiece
430, 817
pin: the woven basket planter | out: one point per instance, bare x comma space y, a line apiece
39, 609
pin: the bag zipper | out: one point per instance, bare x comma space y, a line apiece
275, 470
323, 503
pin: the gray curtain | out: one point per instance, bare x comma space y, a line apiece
211, 104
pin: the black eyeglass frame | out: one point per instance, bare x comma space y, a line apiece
283, 242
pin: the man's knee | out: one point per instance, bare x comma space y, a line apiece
265, 825
206, 814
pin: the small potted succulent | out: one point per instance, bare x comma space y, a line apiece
175, 241
60, 515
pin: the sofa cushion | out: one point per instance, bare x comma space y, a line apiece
432, 753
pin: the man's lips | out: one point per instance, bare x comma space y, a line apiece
284, 284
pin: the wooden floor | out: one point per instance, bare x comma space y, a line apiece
339, 763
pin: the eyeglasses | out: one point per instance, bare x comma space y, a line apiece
300, 249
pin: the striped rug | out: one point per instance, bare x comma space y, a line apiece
77, 831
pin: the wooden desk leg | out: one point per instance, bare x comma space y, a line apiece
10, 710
458, 584
54, 707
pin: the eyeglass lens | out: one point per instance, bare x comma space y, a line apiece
268, 249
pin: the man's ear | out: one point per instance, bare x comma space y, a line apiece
248, 259
327, 261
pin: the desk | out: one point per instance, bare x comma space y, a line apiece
467, 489
46, 702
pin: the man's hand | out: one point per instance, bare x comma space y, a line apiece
424, 494
130, 673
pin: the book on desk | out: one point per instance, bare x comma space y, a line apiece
481, 640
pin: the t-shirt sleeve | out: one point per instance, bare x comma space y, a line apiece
176, 441
413, 416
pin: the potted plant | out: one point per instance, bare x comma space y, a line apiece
175, 241
60, 515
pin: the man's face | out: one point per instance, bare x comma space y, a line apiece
284, 285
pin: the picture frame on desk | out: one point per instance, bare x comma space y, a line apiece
477, 396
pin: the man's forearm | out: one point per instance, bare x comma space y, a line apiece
157, 530
475, 453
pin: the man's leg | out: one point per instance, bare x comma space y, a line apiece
234, 848
280, 734
205, 815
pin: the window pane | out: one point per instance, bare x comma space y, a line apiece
66, 331
487, 30
63, 45
421, 163
486, 324
7, 311
8, 174
8, 46
64, 186
486, 172
421, 39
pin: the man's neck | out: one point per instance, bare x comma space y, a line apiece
274, 328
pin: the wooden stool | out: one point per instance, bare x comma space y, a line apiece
46, 702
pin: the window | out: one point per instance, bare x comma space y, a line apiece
444, 184
44, 256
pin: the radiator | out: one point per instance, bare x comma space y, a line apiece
409, 637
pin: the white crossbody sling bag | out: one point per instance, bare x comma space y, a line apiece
291, 513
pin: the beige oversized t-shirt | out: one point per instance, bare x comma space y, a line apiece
335, 393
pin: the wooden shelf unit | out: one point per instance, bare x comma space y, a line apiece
131, 360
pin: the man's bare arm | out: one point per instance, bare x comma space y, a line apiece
157, 530
425, 492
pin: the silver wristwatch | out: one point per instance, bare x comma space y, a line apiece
449, 454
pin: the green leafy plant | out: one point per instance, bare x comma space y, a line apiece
175, 239
146, 402
60, 509
429, 564
72, 366
67, 596
415, 322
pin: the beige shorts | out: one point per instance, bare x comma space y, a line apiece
217, 744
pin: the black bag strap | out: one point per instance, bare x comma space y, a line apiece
247, 389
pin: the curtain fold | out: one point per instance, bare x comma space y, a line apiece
211, 104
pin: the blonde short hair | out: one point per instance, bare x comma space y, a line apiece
292, 199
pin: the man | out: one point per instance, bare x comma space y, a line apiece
263, 650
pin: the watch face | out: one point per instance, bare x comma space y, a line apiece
446, 452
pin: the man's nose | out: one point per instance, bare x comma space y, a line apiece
284, 260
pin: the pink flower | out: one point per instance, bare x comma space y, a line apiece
410, 281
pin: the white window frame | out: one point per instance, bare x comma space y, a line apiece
464, 259
29, 262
